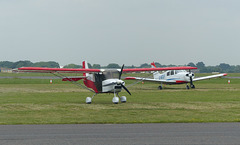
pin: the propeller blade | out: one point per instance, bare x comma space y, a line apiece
191, 80
125, 89
120, 74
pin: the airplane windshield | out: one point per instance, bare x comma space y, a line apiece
111, 74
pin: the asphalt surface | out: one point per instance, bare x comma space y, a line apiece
122, 134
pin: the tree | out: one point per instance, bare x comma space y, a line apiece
145, 65
158, 64
6, 64
225, 67
113, 65
200, 65
50, 64
72, 66
97, 66
237, 69
191, 64
210, 69
21, 63
132, 66
89, 65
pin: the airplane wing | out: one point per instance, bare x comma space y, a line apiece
174, 81
209, 77
54, 70
158, 69
83, 70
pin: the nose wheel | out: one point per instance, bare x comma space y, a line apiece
160, 87
192, 86
115, 99
123, 99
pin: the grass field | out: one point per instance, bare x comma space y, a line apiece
36, 101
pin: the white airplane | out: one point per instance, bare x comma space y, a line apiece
97, 80
171, 77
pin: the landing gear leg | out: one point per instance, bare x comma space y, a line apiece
123, 98
115, 99
160, 87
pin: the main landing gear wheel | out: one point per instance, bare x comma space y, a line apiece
192, 86
187, 87
160, 87
123, 99
115, 100
88, 100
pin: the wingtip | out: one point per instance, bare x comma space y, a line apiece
130, 78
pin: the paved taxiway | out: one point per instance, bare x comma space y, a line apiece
119, 134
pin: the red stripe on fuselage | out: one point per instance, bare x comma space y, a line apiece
181, 82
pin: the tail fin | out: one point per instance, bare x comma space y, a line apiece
85, 65
153, 65
156, 74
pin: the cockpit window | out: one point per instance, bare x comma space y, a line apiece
179, 71
111, 74
168, 73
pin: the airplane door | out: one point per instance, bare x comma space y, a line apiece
99, 77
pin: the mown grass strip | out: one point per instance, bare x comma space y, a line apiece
34, 102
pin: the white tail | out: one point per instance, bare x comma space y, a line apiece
85, 65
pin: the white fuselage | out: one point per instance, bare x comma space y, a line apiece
174, 76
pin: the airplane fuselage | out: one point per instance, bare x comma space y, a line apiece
174, 76
106, 81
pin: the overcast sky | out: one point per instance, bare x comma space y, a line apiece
130, 32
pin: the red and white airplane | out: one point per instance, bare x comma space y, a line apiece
98, 80
171, 77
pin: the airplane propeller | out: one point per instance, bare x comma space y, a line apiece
120, 74
126, 89
191, 80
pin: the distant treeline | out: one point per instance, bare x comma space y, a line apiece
26, 63
222, 67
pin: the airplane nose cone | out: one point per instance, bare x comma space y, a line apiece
190, 75
119, 82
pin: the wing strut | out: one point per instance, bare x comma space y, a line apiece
73, 82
